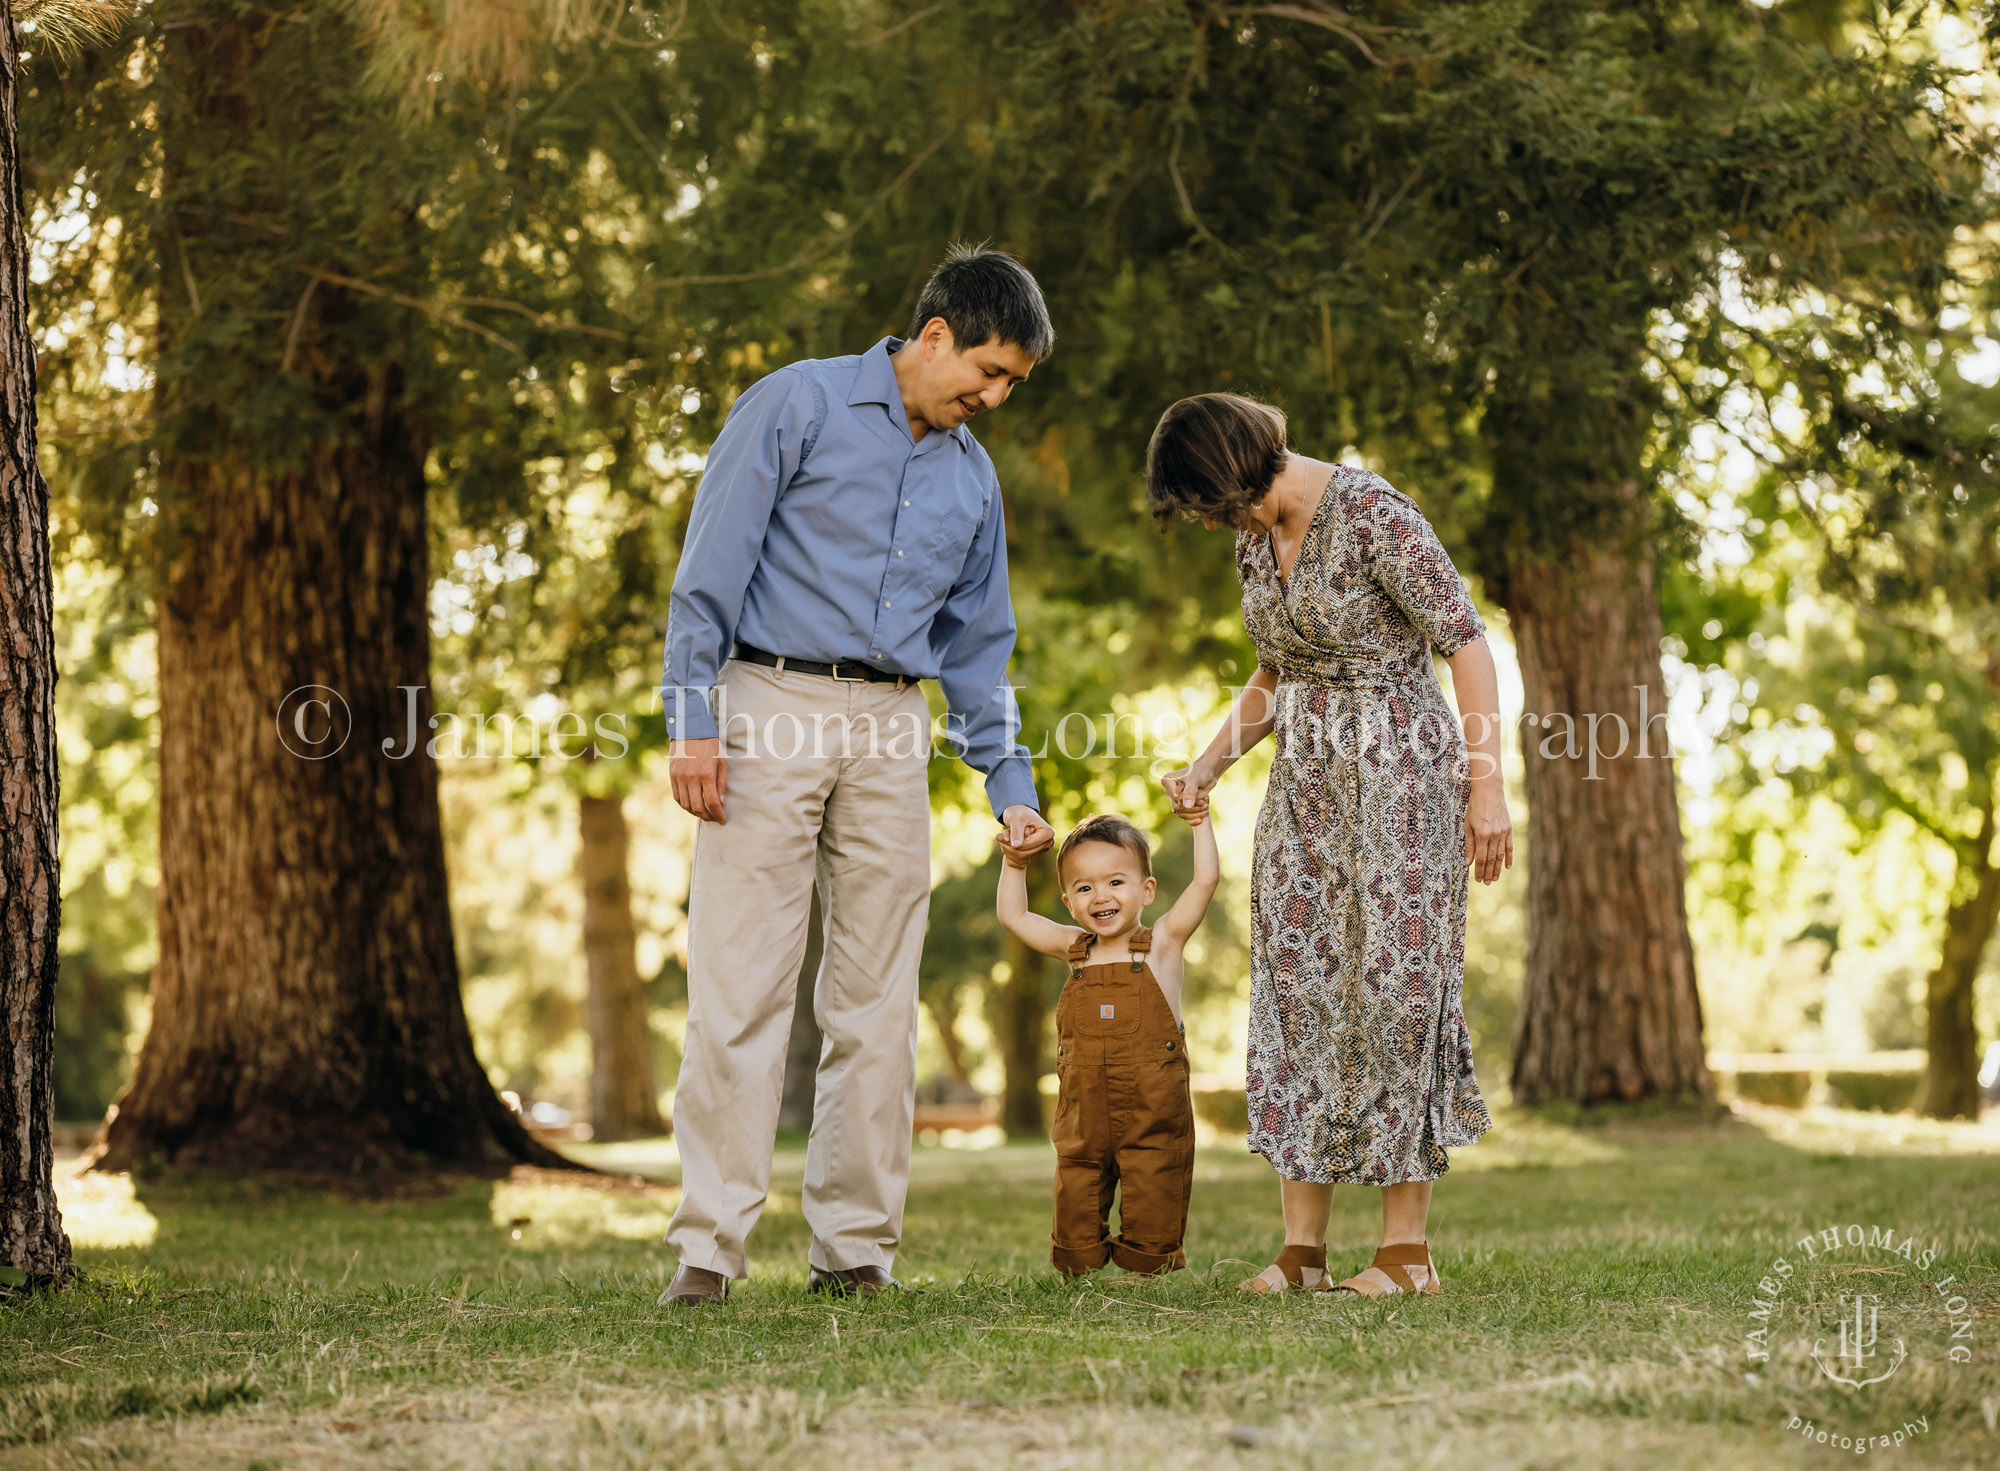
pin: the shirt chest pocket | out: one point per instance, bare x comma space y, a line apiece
950, 543
951, 538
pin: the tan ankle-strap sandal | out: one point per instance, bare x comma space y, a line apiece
1390, 1273
1297, 1269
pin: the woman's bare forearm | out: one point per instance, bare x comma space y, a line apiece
1475, 685
1250, 720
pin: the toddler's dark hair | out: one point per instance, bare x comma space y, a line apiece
1108, 827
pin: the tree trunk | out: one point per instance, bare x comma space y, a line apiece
306, 1007
32, 1242
948, 1038
624, 1100
1951, 1037
1024, 1020
795, 1111
1609, 1009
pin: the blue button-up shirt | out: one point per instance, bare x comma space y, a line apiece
823, 531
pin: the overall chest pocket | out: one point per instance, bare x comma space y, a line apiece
1104, 1011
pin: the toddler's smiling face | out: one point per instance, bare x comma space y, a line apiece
1105, 888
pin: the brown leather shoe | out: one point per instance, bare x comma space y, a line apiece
851, 1282
695, 1287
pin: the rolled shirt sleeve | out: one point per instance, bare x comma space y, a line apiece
753, 457
973, 637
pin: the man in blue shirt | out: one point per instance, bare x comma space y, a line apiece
847, 541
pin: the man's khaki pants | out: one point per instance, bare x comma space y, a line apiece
827, 785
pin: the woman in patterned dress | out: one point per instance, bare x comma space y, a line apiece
1360, 1065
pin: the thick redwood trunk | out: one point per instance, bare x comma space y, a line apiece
32, 1243
1951, 1037
306, 1009
1609, 1009
624, 1101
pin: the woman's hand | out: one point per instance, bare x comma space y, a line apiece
1188, 789
1489, 831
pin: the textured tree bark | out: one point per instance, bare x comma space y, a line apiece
802, 1049
1951, 1037
948, 1038
624, 1099
1024, 1019
306, 1008
32, 1242
1609, 1009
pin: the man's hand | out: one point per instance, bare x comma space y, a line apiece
1025, 835
699, 773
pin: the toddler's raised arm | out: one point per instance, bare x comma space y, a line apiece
1031, 929
1186, 915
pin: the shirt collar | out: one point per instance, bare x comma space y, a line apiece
875, 383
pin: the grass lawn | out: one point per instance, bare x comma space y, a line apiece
1599, 1279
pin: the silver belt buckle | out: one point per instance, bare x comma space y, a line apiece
847, 678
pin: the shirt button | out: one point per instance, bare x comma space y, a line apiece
885, 603
906, 503
899, 551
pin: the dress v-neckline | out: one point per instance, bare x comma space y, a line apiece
1271, 546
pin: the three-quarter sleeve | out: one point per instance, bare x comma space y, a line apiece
1411, 566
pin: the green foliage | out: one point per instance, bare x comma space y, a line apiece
105, 718
1499, 247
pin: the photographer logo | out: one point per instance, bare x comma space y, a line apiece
1833, 1323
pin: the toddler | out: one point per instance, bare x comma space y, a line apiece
1124, 1119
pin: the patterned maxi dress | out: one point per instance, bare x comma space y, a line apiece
1360, 1064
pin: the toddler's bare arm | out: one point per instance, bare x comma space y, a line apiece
1033, 930
1186, 915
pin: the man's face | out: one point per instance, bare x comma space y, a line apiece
956, 385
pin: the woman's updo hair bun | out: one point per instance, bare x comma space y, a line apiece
1213, 455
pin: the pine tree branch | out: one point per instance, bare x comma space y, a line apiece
900, 26
832, 242
432, 309
67, 27
1326, 17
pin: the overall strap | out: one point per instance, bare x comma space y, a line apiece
1078, 949
1140, 943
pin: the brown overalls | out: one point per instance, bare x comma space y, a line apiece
1124, 1119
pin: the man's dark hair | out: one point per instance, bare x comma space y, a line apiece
1214, 455
986, 294
1107, 827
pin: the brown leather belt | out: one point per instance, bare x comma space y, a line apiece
844, 670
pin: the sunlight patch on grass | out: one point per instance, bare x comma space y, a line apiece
1520, 1140
102, 1211
1847, 1131
656, 1159
541, 1208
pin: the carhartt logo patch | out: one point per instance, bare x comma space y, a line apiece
1107, 1012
